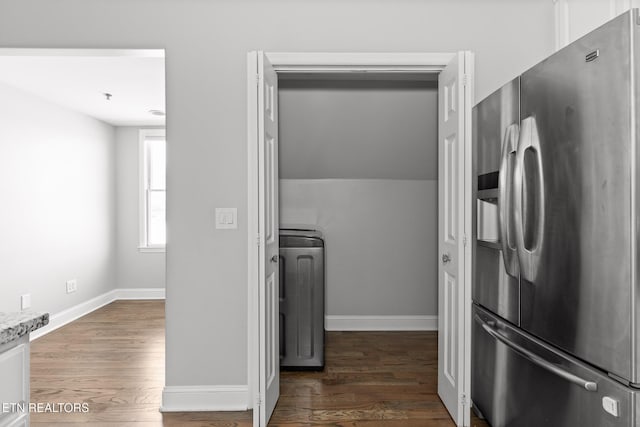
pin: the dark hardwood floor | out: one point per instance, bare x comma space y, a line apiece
370, 379
113, 359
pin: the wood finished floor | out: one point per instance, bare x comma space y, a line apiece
113, 359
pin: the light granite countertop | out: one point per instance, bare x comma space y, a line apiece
17, 324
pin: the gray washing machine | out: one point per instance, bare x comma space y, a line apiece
301, 299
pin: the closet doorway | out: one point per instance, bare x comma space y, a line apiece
453, 73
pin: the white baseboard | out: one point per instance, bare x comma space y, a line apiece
57, 320
140, 293
381, 323
205, 398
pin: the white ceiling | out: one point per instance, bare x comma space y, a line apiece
79, 79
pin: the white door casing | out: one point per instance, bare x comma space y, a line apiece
268, 243
575, 18
454, 302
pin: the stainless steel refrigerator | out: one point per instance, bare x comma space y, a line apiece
556, 314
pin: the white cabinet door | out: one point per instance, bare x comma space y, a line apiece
454, 224
14, 381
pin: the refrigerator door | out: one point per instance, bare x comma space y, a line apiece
574, 213
520, 381
492, 118
496, 270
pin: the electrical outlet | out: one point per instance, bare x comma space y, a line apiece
25, 301
72, 286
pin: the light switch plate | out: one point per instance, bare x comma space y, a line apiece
226, 218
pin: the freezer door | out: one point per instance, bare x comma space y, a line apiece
518, 381
574, 209
496, 277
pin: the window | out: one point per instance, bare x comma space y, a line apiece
152, 155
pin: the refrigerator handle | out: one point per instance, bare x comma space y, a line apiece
505, 200
535, 359
529, 257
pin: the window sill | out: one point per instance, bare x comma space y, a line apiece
151, 249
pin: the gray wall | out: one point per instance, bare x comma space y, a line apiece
206, 43
135, 269
361, 162
358, 129
57, 187
381, 241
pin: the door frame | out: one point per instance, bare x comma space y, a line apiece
329, 62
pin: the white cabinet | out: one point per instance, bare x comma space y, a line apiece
575, 18
14, 383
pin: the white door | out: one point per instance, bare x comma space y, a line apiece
268, 294
454, 194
